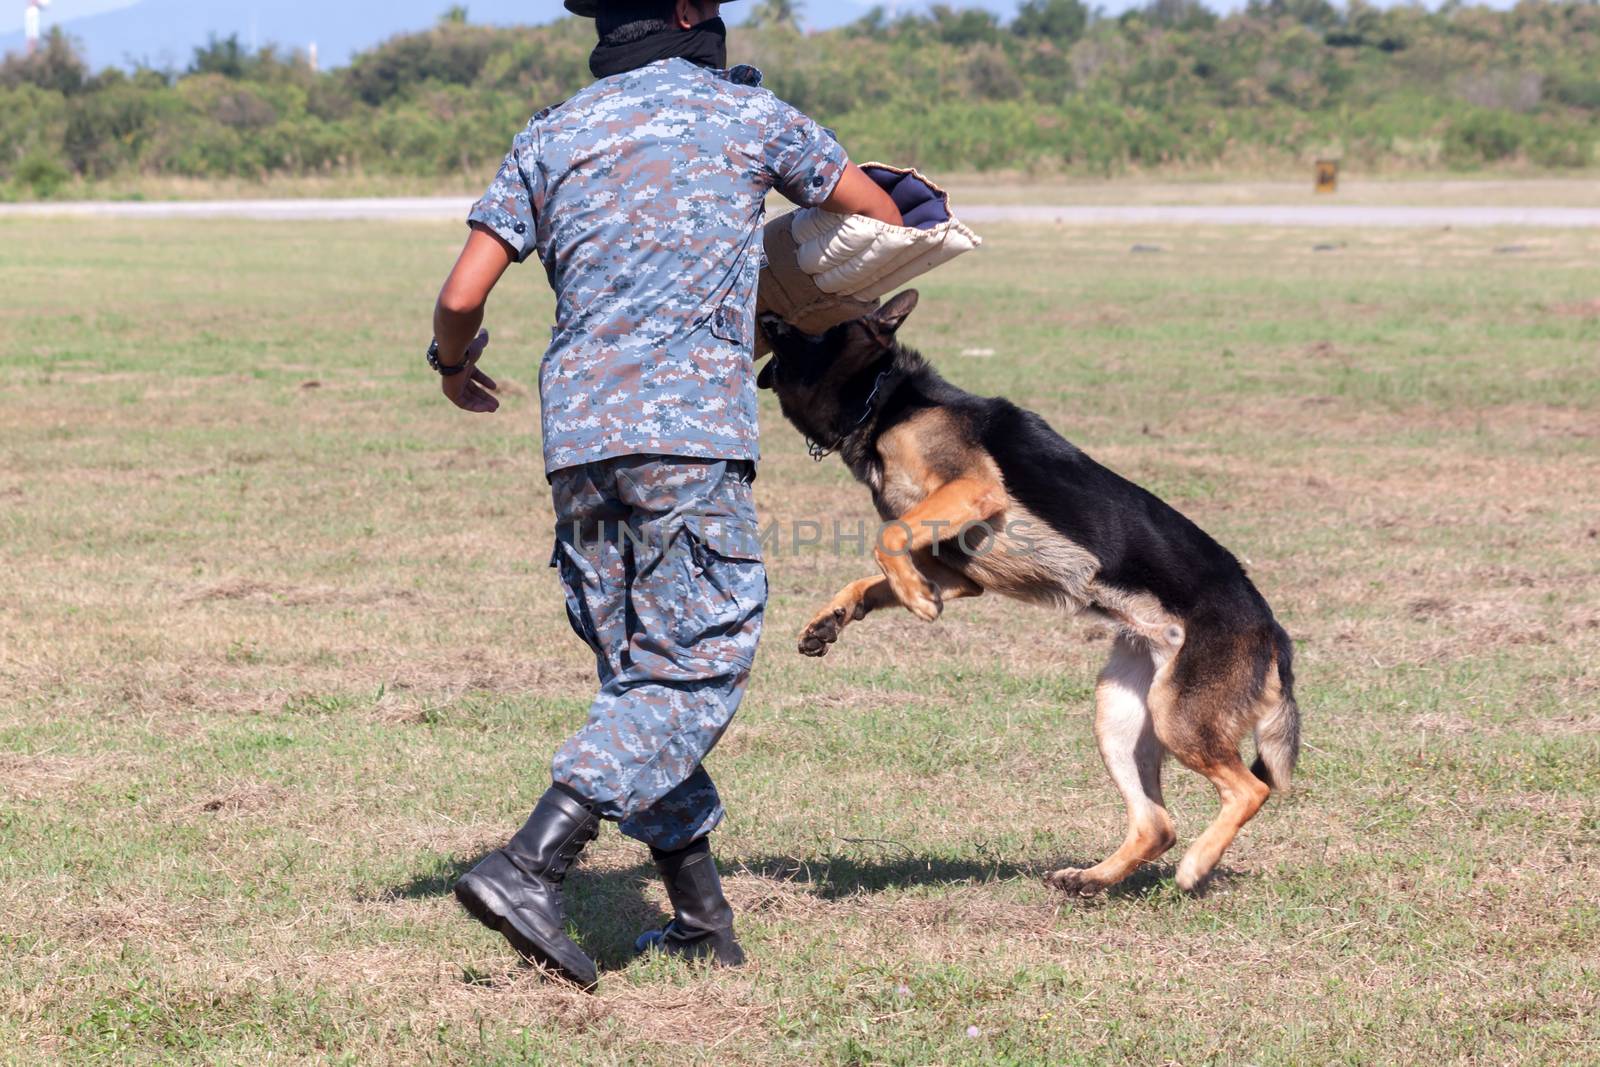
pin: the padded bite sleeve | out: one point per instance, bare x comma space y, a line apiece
791, 294
863, 258
823, 269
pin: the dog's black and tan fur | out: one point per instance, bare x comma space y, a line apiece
1198, 660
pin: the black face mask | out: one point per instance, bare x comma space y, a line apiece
705, 45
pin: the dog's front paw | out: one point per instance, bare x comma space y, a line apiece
823, 631
1074, 881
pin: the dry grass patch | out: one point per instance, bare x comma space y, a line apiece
243, 798
32, 777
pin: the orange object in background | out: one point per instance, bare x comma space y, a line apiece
1327, 175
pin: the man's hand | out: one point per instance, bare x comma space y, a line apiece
472, 390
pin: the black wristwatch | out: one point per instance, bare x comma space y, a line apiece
444, 371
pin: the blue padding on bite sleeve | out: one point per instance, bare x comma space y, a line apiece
921, 208
926, 216
908, 193
886, 179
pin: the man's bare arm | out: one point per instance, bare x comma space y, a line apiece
857, 194
459, 313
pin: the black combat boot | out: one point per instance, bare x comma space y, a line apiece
517, 889
702, 921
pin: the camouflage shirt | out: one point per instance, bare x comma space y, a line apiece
644, 197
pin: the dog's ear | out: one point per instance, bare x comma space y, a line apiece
887, 320
764, 379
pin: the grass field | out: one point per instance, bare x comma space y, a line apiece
281, 656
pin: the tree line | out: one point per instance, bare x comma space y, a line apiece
1058, 87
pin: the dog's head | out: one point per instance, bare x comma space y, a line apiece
824, 381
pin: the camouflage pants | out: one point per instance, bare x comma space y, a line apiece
660, 561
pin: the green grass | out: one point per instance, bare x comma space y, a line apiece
281, 654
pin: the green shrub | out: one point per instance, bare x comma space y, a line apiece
1576, 91
106, 130
1058, 20
1556, 147
1483, 137
41, 175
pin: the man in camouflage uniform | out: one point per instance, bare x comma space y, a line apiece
643, 197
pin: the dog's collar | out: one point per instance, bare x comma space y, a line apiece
816, 448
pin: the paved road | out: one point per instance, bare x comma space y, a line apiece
1320, 216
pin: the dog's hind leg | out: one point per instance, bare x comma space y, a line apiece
1202, 727
862, 597
1242, 795
1133, 756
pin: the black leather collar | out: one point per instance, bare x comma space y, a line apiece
874, 402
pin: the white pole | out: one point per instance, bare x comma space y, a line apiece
30, 26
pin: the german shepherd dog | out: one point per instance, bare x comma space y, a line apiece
977, 494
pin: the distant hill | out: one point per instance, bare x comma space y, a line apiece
164, 33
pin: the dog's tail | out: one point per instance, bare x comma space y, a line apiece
1278, 731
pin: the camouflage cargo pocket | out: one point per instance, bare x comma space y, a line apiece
723, 595
579, 584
